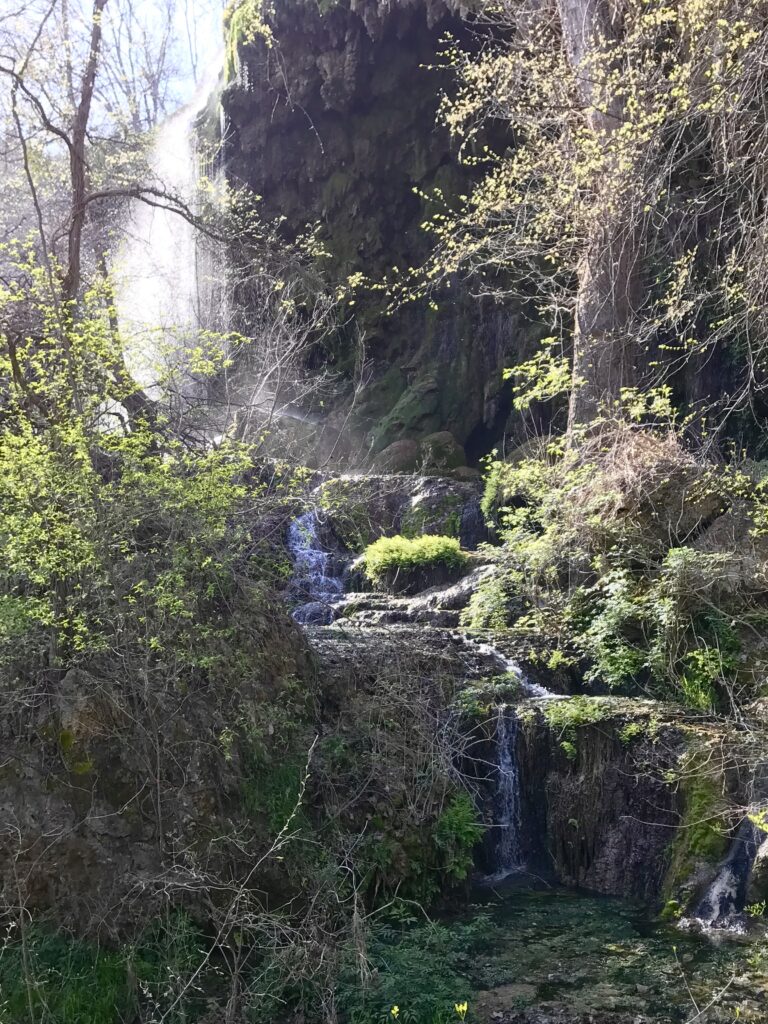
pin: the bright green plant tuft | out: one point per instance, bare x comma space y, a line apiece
392, 553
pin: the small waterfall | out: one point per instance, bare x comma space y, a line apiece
510, 667
722, 905
507, 803
313, 579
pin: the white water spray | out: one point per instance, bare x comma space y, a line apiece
162, 283
507, 810
313, 571
510, 667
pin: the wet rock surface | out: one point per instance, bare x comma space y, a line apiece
361, 508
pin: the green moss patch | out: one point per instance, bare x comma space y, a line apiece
700, 836
390, 554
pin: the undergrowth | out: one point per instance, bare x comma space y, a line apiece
635, 560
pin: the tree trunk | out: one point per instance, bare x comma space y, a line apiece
609, 283
77, 162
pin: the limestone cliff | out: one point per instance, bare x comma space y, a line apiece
336, 124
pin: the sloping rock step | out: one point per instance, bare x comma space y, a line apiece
359, 651
439, 606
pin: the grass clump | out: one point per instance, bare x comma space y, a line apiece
389, 554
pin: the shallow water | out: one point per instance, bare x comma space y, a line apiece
561, 948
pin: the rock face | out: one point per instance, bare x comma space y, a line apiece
607, 814
362, 508
336, 124
595, 811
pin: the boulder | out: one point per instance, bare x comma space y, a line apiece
399, 457
440, 452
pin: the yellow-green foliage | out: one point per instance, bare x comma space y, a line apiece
115, 544
599, 544
615, 133
245, 21
391, 553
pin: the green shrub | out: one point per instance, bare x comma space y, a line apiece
392, 553
456, 834
490, 605
422, 969
598, 546
53, 977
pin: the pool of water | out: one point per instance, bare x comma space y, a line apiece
559, 948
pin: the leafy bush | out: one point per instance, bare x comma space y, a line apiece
392, 553
607, 545
456, 834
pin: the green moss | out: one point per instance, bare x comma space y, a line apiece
392, 553
244, 22
336, 188
700, 835
417, 412
567, 716
672, 911
574, 712
446, 517
66, 740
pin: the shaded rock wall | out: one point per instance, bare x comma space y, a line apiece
337, 124
603, 818
598, 815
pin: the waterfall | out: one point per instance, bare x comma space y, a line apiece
507, 802
313, 579
162, 286
510, 667
722, 905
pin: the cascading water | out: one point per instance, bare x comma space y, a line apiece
507, 803
313, 579
510, 667
163, 293
317, 589
721, 908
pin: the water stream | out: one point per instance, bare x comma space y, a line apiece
507, 804
314, 584
721, 908
552, 949
317, 589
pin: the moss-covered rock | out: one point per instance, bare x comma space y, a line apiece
362, 508
441, 452
701, 840
406, 565
399, 457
